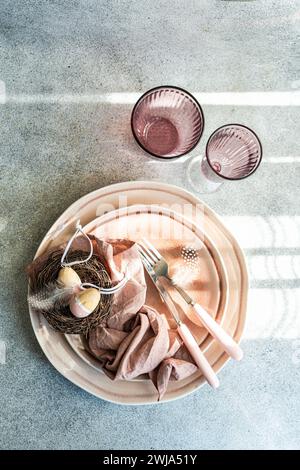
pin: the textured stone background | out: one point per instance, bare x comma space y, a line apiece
57, 143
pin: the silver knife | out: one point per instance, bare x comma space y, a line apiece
183, 330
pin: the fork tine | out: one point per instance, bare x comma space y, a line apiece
146, 250
146, 264
152, 248
144, 253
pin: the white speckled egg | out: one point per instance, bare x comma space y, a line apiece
84, 303
68, 277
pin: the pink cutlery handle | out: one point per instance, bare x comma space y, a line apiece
198, 355
229, 345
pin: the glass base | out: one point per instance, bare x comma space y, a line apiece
200, 176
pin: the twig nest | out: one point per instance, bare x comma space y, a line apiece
67, 277
84, 303
46, 270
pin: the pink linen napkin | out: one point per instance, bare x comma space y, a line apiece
135, 338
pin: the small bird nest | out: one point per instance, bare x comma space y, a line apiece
60, 316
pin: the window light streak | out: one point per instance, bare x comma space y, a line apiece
265, 232
2, 92
2, 352
270, 267
251, 98
288, 159
273, 312
266, 160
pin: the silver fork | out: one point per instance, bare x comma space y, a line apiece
185, 334
161, 269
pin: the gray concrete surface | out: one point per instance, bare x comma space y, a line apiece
53, 151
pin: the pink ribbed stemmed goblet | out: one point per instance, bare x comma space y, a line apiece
233, 152
167, 122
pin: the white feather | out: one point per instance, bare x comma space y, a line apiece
50, 296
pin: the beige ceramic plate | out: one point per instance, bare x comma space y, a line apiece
58, 350
203, 276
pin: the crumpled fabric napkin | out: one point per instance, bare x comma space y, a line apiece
135, 338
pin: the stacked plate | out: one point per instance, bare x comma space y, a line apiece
200, 251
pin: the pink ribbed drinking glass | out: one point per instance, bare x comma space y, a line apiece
233, 152
167, 122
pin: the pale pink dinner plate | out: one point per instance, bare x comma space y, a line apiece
204, 276
88, 208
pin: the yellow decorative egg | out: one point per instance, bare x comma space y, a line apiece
84, 303
68, 277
